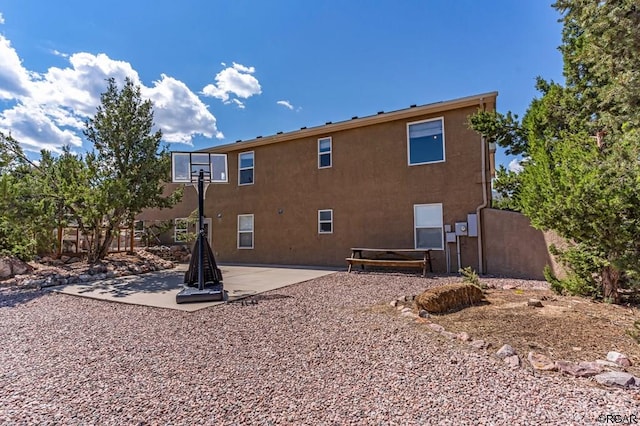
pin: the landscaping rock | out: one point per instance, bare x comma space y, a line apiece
505, 351
449, 297
11, 266
616, 378
436, 327
135, 269
512, 361
393, 303
535, 303
541, 362
464, 336
33, 283
590, 368
578, 370
609, 364
480, 344
449, 335
619, 359
84, 278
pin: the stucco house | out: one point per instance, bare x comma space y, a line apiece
399, 179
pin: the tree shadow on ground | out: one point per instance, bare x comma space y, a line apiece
11, 297
159, 282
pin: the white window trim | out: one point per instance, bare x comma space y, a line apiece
253, 227
330, 152
444, 151
240, 169
175, 229
325, 221
415, 228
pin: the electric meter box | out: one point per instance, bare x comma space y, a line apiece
461, 228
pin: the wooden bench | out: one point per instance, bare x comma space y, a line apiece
400, 260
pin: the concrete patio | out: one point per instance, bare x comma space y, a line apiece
159, 289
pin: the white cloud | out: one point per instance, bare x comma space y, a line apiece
35, 130
181, 113
236, 80
58, 53
1, 19
286, 104
238, 103
14, 78
515, 165
49, 109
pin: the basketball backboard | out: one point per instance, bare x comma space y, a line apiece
185, 167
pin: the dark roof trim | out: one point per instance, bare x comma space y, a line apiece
406, 113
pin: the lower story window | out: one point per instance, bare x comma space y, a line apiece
428, 226
245, 231
180, 230
325, 221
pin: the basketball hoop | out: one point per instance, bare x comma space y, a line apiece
200, 169
185, 167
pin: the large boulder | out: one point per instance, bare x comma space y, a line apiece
11, 266
449, 297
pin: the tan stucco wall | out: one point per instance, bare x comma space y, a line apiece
514, 248
370, 187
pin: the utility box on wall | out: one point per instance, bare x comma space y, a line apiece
461, 228
472, 228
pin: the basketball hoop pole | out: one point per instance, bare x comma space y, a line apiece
201, 230
193, 169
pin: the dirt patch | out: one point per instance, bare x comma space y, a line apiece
565, 328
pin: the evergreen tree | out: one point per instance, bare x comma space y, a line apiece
27, 216
126, 169
581, 142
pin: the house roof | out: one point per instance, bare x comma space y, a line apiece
355, 122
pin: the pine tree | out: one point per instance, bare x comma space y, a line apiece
581, 141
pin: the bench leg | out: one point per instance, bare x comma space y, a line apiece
349, 270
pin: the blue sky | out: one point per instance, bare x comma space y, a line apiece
219, 71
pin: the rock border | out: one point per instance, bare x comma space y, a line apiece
609, 372
52, 272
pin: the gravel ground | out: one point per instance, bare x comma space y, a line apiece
313, 353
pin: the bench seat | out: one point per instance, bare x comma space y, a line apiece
392, 263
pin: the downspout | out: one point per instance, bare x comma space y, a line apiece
485, 197
485, 202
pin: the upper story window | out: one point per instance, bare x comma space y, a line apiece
425, 141
324, 153
325, 221
245, 168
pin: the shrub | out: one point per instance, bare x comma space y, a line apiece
470, 276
